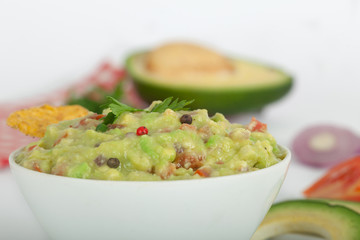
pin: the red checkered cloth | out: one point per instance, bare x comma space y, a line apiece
106, 76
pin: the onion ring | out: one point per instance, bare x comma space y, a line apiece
325, 145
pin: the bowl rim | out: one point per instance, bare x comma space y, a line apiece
14, 167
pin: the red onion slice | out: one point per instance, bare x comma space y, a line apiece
325, 145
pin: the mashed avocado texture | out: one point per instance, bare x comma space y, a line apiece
148, 146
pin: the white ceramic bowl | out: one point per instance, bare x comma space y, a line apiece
229, 207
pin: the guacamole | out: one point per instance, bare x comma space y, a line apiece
148, 146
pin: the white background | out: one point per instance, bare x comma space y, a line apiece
49, 44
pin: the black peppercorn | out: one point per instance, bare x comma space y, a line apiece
186, 118
113, 162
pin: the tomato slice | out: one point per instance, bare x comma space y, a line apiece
340, 182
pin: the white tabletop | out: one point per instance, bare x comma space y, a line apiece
47, 45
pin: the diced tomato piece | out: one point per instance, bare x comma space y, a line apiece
32, 147
99, 116
82, 122
257, 126
203, 172
166, 173
340, 182
36, 167
61, 138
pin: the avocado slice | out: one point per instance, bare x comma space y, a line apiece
310, 217
355, 206
249, 87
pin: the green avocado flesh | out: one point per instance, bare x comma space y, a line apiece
171, 150
250, 88
310, 217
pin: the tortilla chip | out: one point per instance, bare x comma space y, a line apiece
34, 121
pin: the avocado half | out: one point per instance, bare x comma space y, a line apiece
239, 94
329, 220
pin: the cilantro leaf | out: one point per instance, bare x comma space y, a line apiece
101, 127
175, 105
109, 118
117, 108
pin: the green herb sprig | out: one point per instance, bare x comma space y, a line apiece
118, 108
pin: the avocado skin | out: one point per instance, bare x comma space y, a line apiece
355, 206
225, 100
289, 216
